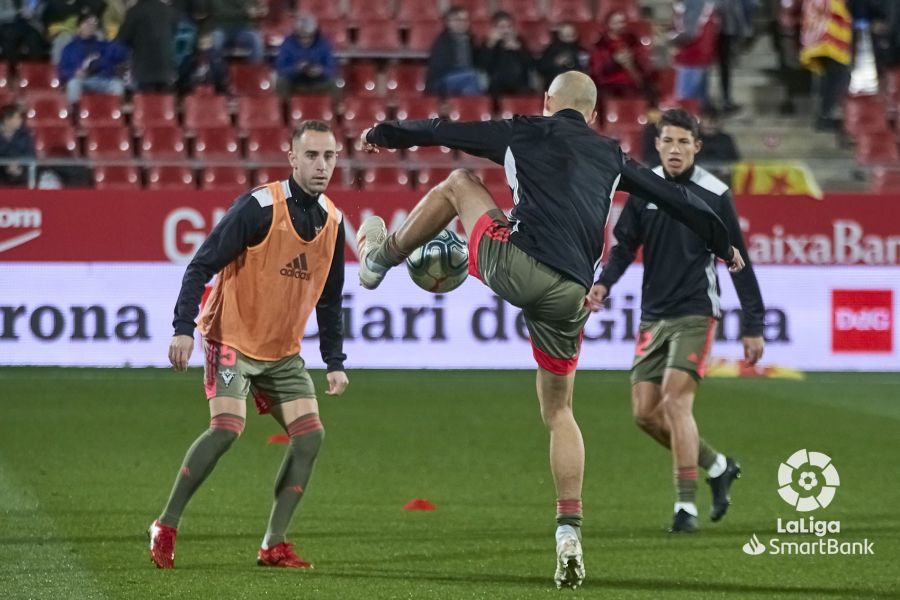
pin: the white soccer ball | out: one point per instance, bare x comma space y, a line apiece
441, 265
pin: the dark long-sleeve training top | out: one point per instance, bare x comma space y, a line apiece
246, 224
679, 270
562, 175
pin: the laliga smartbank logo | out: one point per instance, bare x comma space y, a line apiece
807, 481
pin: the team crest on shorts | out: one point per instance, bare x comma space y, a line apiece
227, 376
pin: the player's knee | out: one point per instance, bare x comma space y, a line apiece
644, 419
460, 180
226, 428
554, 415
676, 406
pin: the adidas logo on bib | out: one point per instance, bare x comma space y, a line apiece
297, 268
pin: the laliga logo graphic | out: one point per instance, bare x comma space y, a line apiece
808, 480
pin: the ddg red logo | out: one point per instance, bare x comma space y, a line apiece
862, 320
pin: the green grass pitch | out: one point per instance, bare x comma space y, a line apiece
87, 458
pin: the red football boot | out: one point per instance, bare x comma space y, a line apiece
162, 545
281, 555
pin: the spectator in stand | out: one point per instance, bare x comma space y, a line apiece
61, 21
15, 143
885, 19
189, 13
451, 61
505, 58
203, 68
149, 30
20, 31
825, 51
718, 147
619, 63
563, 54
305, 61
91, 64
113, 17
694, 42
735, 29
232, 24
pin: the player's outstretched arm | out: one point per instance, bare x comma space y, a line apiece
684, 206
488, 139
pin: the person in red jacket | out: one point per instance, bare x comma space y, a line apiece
619, 63
694, 41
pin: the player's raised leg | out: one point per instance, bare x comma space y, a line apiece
300, 419
227, 416
462, 194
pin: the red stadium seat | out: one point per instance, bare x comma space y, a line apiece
256, 112
521, 105
4, 74
46, 109
378, 36
622, 112
108, 141
153, 110
250, 80
37, 76
225, 178
606, 7
323, 9
205, 111
405, 78
469, 108
117, 177
576, 11
336, 33
361, 79
216, 143
588, 33
311, 106
384, 178
430, 155
885, 180
360, 113
417, 107
479, 10
892, 88
422, 35
665, 82
268, 143
630, 138
54, 141
163, 143
877, 148
6, 96
360, 11
170, 178
526, 10
100, 109
864, 115
416, 11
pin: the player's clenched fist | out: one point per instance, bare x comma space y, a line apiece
364, 143
180, 351
736, 264
337, 383
595, 298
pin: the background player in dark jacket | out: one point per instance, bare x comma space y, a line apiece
563, 175
680, 308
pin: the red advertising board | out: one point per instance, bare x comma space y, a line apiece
146, 226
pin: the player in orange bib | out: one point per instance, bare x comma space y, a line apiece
279, 254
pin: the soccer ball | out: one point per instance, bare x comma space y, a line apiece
441, 265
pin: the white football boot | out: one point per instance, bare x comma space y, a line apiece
569, 558
372, 234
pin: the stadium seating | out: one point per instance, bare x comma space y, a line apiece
336, 32
865, 115
6, 96
117, 177
877, 148
163, 143
479, 10
100, 109
48, 108
256, 112
361, 11
381, 36
250, 80
524, 10
417, 107
430, 155
268, 143
416, 11
576, 11
323, 9
619, 112
4, 74
37, 76
360, 113
588, 33
665, 82
605, 8
384, 178
536, 35
55, 141
885, 180
422, 35
429, 177
405, 78
205, 111
361, 79
153, 110
311, 106
170, 178
216, 143
225, 178
521, 105
892, 89
630, 138
469, 108
108, 142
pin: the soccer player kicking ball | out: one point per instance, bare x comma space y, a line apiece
279, 253
679, 312
562, 176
